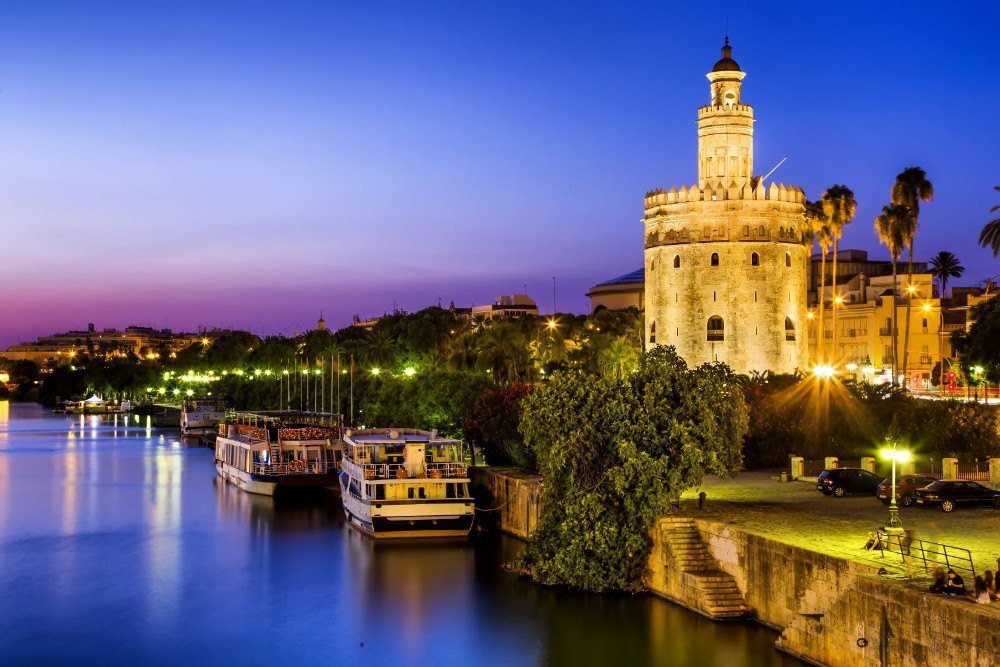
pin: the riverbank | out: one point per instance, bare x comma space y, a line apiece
830, 610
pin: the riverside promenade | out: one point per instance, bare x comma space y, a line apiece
788, 557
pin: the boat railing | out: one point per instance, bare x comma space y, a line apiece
399, 471
297, 467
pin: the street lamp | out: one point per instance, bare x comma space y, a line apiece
894, 455
823, 371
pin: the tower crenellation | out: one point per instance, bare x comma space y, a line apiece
733, 246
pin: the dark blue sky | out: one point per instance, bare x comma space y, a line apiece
253, 163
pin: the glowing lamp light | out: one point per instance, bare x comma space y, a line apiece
189, 392
927, 307
810, 315
409, 371
149, 390
162, 390
317, 372
978, 370
176, 392
852, 367
897, 455
839, 300
551, 324
375, 371
911, 289
284, 372
205, 341
824, 371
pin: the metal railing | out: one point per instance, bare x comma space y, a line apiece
294, 468
973, 472
398, 470
928, 553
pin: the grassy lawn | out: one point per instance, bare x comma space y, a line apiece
796, 513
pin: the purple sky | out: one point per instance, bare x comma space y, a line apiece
252, 164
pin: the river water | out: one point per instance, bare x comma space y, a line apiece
118, 545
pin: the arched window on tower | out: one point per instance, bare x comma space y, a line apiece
716, 329
754, 259
760, 231
652, 333
789, 329
715, 259
677, 261
788, 259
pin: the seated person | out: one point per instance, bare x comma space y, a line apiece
939, 581
955, 584
981, 594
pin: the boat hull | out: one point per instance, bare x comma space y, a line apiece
268, 485
382, 519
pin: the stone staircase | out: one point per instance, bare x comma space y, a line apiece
717, 595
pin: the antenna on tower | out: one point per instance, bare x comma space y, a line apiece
764, 177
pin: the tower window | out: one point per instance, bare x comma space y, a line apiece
789, 329
716, 329
715, 259
713, 295
754, 259
652, 332
760, 230
746, 230
755, 296
788, 259
677, 261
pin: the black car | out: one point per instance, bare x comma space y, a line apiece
842, 481
953, 493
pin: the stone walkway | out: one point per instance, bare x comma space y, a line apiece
796, 513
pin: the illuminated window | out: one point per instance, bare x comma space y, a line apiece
789, 329
716, 329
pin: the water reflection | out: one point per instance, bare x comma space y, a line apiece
124, 538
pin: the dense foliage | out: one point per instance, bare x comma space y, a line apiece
815, 419
493, 425
615, 452
979, 348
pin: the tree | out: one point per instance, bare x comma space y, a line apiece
839, 206
945, 265
990, 236
978, 347
911, 188
819, 227
493, 424
889, 226
615, 454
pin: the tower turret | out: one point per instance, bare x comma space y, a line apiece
725, 128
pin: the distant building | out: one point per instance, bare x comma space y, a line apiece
625, 291
141, 341
507, 305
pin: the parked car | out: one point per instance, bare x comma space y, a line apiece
841, 481
905, 486
949, 494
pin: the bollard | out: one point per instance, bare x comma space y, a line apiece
949, 468
830, 463
783, 477
995, 472
701, 500
798, 466
868, 463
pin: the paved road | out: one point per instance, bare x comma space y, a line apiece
795, 512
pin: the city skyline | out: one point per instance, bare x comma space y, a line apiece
251, 169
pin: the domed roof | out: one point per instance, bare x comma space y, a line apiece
726, 63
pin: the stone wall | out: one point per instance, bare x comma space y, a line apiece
827, 607
508, 498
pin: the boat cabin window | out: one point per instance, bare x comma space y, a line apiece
409, 492
423, 492
379, 492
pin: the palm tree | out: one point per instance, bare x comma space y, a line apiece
463, 353
816, 221
945, 265
889, 226
839, 206
990, 236
911, 188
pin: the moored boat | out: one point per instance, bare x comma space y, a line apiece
264, 452
405, 483
201, 415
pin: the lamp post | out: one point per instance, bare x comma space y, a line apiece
902, 456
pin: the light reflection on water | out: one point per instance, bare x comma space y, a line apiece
118, 544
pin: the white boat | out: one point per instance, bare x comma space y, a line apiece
264, 452
201, 415
399, 483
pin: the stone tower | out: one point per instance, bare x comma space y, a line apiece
726, 258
